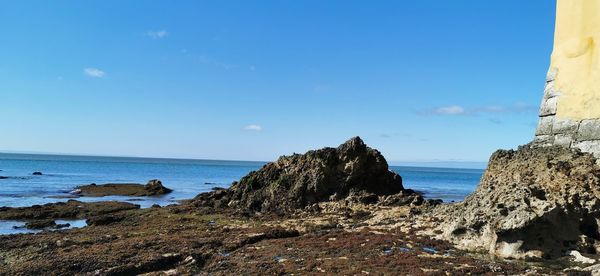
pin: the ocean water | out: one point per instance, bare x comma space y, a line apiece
448, 184
61, 174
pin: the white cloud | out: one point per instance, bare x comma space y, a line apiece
450, 110
157, 34
491, 109
253, 128
93, 72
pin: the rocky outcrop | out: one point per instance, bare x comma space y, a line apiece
532, 202
65, 210
153, 188
296, 181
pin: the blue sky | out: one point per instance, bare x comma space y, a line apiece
251, 80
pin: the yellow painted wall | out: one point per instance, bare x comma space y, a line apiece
576, 56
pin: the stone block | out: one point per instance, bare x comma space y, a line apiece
550, 91
589, 130
592, 146
561, 126
545, 126
549, 106
564, 140
543, 140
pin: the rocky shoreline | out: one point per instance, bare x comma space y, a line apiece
334, 211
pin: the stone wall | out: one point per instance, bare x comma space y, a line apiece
554, 130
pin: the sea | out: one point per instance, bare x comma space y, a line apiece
61, 174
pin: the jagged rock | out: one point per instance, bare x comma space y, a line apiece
531, 203
155, 187
300, 180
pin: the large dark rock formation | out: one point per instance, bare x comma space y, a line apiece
533, 202
300, 180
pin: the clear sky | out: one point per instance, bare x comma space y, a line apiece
251, 80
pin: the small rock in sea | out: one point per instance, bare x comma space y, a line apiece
155, 186
155, 206
3, 177
37, 173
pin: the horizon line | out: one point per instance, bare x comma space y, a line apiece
437, 162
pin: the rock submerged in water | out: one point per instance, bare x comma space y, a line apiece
153, 188
37, 173
40, 224
351, 170
44, 224
531, 203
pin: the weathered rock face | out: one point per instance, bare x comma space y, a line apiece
299, 180
533, 202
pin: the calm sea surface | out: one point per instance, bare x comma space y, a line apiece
61, 174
